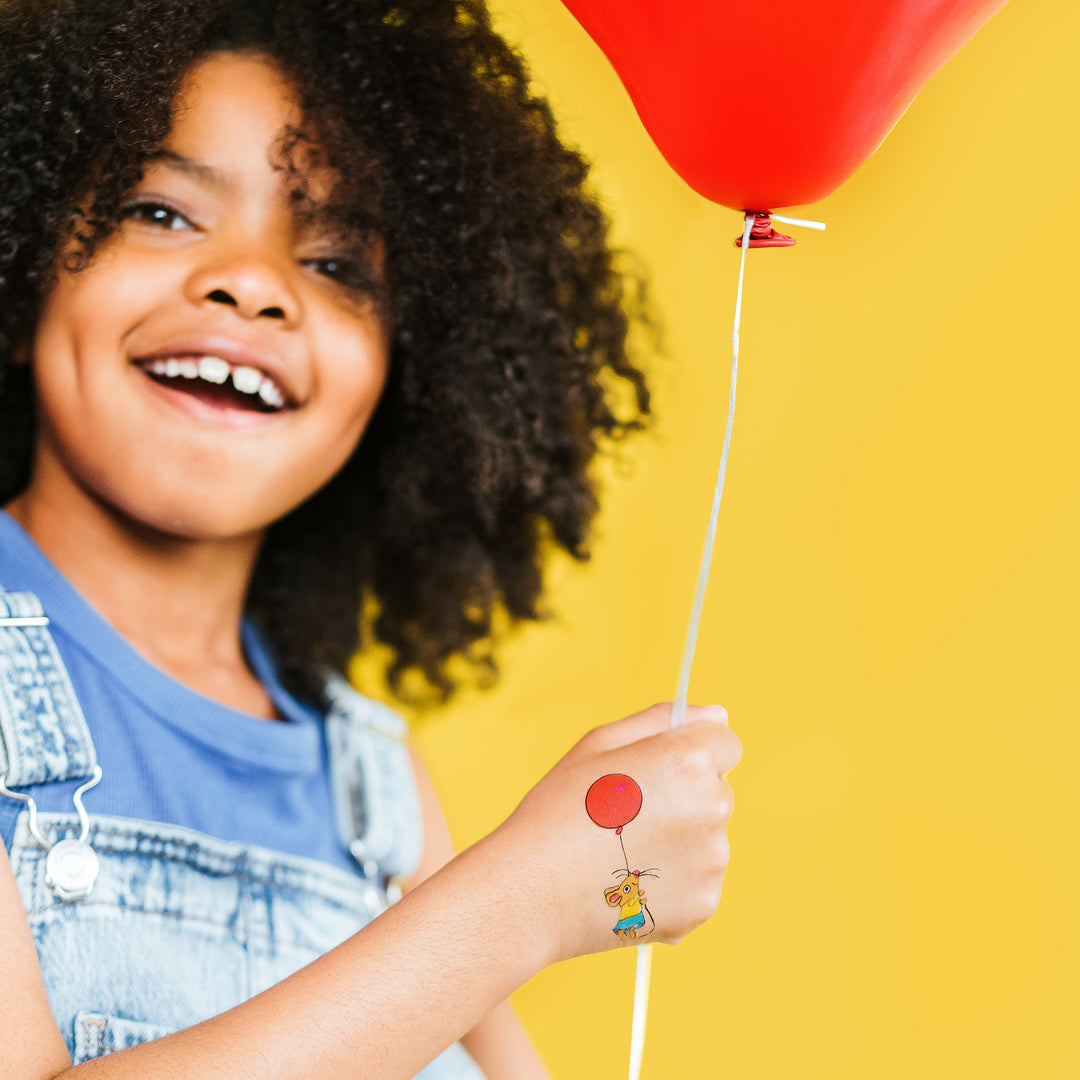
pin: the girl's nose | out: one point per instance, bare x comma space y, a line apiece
250, 284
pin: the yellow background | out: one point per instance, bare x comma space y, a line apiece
892, 616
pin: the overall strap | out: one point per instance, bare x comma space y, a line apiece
378, 808
43, 733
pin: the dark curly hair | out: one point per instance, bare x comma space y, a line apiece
508, 310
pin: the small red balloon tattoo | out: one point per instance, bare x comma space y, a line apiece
612, 802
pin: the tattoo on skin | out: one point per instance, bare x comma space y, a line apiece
612, 802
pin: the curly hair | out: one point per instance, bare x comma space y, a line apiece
508, 310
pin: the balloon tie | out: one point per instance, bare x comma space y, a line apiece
763, 235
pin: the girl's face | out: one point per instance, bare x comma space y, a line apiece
219, 359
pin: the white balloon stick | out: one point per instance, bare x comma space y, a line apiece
819, 225
641, 1008
678, 712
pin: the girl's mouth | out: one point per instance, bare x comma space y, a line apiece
216, 383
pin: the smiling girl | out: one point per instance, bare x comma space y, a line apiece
304, 314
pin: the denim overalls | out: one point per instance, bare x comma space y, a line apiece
145, 928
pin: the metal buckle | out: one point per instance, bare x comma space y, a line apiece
377, 896
71, 864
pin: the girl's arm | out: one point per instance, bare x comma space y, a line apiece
498, 1044
37, 1049
428, 970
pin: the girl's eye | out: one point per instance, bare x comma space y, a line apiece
331, 268
156, 214
349, 273
340, 270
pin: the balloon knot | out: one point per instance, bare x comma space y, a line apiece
618, 831
762, 233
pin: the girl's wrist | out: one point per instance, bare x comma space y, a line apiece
517, 898
488, 906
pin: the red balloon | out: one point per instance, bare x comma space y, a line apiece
613, 801
759, 104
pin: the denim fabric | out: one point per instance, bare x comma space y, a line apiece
377, 806
38, 711
180, 927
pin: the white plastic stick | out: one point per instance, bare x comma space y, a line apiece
678, 712
819, 225
641, 1008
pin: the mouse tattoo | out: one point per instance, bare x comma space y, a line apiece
630, 900
612, 802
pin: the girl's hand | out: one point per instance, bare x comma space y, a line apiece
565, 861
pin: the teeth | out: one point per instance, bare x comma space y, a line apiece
213, 369
271, 394
248, 380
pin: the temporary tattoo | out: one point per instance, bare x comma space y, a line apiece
612, 802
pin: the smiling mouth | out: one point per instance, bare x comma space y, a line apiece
214, 381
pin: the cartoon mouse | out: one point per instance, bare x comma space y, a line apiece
629, 899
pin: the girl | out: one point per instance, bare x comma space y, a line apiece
305, 314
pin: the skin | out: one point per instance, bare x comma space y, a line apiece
128, 474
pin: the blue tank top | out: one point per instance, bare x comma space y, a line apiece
144, 923
169, 754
